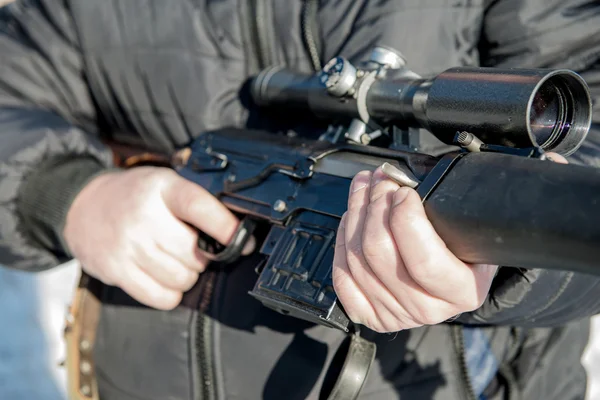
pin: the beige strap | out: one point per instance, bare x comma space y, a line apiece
80, 334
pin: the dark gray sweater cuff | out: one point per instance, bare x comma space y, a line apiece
46, 196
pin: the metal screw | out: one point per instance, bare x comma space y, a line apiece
279, 206
84, 345
85, 367
468, 141
86, 390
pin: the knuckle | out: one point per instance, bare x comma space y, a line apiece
354, 248
168, 301
376, 325
384, 325
188, 202
404, 212
200, 266
376, 247
378, 203
424, 270
117, 276
380, 326
426, 318
152, 178
425, 314
186, 280
383, 192
472, 302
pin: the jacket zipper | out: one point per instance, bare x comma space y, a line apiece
258, 36
204, 348
309, 22
260, 23
459, 345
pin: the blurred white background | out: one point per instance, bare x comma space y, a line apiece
32, 316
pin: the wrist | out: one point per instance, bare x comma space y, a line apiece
46, 196
89, 195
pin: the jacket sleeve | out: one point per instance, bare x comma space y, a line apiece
544, 34
49, 136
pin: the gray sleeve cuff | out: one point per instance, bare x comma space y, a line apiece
46, 197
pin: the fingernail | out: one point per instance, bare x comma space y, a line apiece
550, 158
400, 195
250, 246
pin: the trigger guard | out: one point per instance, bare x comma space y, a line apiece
232, 251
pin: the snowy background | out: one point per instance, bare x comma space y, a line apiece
32, 310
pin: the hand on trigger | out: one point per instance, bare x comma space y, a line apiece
133, 229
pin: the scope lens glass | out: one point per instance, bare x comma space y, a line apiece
547, 114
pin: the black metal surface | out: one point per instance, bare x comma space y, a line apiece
297, 280
276, 167
510, 107
494, 208
519, 212
313, 179
499, 106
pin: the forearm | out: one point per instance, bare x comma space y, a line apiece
49, 139
44, 163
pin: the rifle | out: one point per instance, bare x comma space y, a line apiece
493, 200
496, 201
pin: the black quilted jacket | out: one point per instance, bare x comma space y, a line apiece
159, 72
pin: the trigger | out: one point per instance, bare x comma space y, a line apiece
217, 252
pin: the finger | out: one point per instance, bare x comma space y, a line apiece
378, 245
381, 185
165, 269
412, 306
349, 293
193, 204
145, 289
557, 158
380, 250
358, 199
383, 302
181, 243
427, 259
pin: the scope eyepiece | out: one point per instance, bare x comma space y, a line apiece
557, 121
514, 107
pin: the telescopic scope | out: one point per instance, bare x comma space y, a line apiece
513, 107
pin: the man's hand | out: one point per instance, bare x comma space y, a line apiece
391, 270
128, 229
